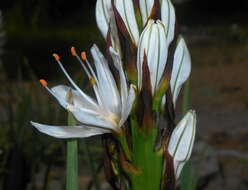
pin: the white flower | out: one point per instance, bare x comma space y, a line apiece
153, 44
182, 141
104, 13
105, 114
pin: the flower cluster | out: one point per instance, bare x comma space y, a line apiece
140, 78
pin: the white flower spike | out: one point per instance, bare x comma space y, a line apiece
153, 44
105, 114
182, 141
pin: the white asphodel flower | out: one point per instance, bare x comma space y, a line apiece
153, 44
104, 114
182, 141
104, 14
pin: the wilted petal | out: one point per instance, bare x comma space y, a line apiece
169, 18
65, 132
181, 68
103, 12
182, 140
107, 86
153, 43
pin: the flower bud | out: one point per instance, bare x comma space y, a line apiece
181, 141
125, 8
153, 44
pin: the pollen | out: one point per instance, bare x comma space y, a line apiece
43, 82
73, 51
84, 56
92, 81
56, 56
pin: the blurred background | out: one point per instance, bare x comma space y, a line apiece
31, 30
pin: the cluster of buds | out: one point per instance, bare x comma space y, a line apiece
136, 86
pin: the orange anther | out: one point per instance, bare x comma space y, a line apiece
83, 55
56, 56
43, 82
73, 51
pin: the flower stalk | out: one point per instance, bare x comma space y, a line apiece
71, 159
136, 86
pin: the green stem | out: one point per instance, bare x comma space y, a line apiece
146, 159
123, 141
72, 159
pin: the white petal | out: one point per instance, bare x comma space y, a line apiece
103, 10
107, 86
61, 91
169, 18
129, 105
181, 69
81, 109
126, 10
146, 9
65, 132
123, 82
182, 138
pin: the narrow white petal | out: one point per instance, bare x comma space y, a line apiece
60, 92
107, 86
88, 117
126, 10
81, 109
182, 138
145, 9
129, 104
103, 10
123, 82
181, 69
65, 132
169, 18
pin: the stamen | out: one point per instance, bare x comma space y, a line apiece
43, 82
71, 81
73, 51
83, 56
56, 56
